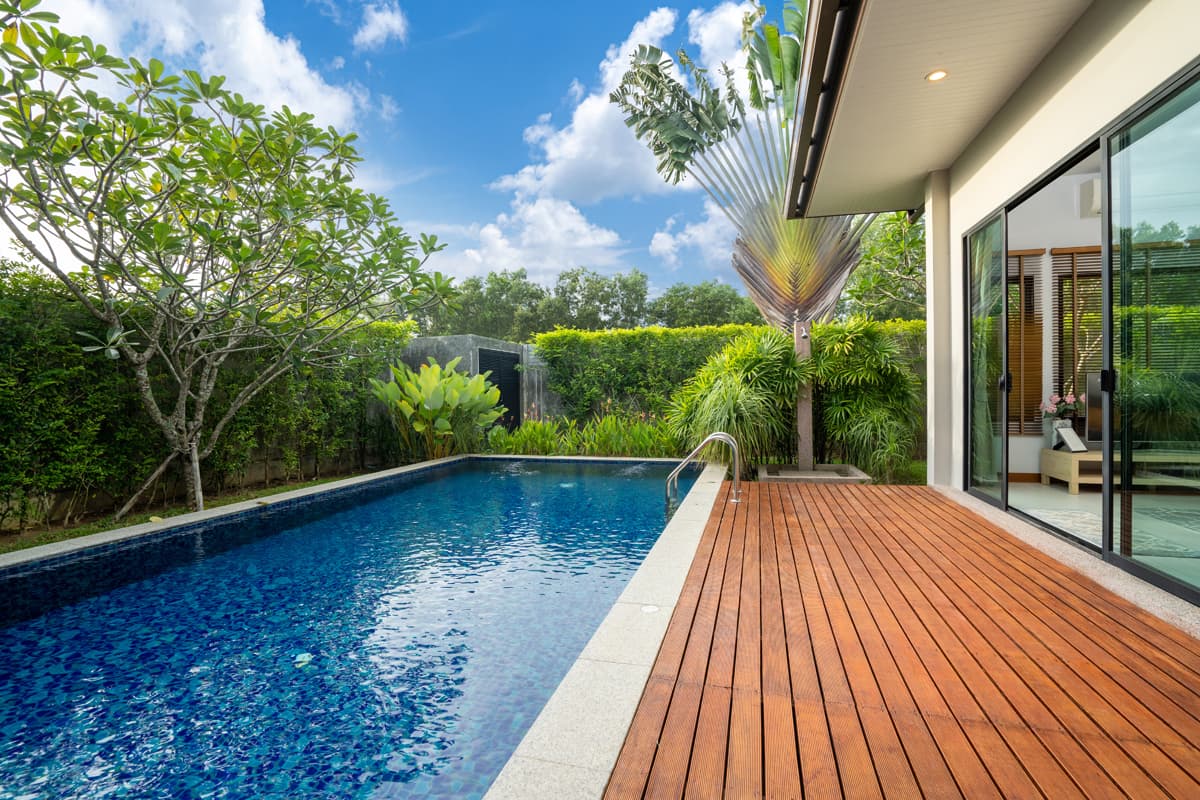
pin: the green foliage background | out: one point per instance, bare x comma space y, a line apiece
868, 380
509, 305
635, 370
71, 422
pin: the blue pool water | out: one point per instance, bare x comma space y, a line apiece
399, 647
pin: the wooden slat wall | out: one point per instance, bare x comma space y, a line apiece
876, 641
1025, 341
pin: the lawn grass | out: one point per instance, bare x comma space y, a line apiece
11, 540
913, 473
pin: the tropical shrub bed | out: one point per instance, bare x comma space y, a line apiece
866, 409
438, 411
867, 379
748, 390
613, 435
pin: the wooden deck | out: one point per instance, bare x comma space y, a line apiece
883, 641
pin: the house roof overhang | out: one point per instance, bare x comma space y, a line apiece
870, 127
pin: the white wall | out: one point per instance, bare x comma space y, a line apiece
1051, 219
1116, 54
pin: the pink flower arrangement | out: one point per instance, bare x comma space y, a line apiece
1059, 407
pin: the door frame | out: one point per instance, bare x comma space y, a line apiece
968, 433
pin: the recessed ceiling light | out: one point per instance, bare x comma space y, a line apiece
936, 75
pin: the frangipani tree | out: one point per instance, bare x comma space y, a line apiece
738, 151
193, 225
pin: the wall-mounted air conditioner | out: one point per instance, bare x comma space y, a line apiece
1089, 198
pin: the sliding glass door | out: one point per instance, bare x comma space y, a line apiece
1085, 292
987, 383
1154, 169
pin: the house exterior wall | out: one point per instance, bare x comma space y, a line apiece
1118, 52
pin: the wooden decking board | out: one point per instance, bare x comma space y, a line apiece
884, 687
1039, 566
885, 642
1089, 712
1045, 694
996, 755
1086, 594
852, 751
1139, 668
1107, 715
1048, 709
922, 718
1117, 686
669, 771
1064, 649
953, 660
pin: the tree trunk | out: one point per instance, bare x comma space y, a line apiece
195, 489
804, 408
146, 485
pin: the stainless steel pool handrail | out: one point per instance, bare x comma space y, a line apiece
715, 436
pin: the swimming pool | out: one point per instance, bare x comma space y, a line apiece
394, 640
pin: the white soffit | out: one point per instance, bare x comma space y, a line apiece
891, 127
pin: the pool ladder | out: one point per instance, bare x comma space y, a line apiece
716, 436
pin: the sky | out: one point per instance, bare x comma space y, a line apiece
485, 123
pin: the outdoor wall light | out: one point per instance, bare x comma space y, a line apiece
936, 75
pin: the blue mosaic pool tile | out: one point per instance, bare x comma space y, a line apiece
395, 643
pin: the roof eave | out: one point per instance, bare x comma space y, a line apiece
828, 36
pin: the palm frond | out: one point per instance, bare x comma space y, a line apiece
793, 269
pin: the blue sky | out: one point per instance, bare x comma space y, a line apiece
485, 123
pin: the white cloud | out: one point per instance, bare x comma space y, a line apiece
718, 34
708, 242
545, 235
381, 23
576, 90
389, 109
542, 235
595, 155
218, 37
337, 62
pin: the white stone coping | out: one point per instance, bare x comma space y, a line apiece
572, 746
1159, 602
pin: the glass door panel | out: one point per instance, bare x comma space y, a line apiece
1155, 177
987, 407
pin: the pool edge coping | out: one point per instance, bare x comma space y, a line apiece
67, 547
570, 749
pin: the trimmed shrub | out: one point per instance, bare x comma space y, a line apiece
613, 435
636, 370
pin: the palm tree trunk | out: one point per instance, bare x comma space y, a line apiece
804, 406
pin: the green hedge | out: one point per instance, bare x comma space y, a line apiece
72, 427
640, 369
634, 370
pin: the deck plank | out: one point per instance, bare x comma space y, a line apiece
883, 641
